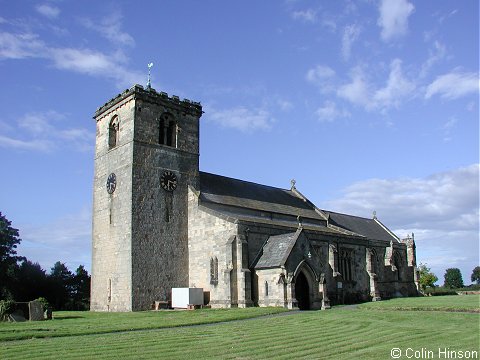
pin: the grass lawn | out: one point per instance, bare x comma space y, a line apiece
369, 331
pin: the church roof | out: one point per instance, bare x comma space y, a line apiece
370, 228
243, 194
229, 196
276, 250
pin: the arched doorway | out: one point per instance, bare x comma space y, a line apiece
302, 291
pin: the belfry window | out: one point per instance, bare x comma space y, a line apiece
346, 264
113, 132
167, 130
214, 270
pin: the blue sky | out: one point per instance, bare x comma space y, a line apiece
369, 105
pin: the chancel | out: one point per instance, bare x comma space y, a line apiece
161, 223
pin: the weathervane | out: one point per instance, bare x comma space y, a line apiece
149, 83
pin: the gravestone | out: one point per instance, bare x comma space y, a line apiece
35, 309
17, 316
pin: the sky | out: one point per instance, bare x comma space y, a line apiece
368, 105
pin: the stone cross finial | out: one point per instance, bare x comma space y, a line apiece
293, 182
374, 214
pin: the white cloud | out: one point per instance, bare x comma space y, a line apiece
442, 210
46, 132
49, 11
35, 145
308, 15
67, 239
350, 35
394, 18
397, 87
241, 118
329, 112
453, 85
435, 55
358, 90
321, 76
84, 61
20, 46
111, 28
447, 128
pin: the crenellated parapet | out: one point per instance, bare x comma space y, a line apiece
152, 96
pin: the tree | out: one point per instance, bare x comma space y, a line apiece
9, 239
476, 275
31, 282
453, 278
81, 289
426, 277
60, 279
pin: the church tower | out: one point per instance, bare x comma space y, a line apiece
146, 155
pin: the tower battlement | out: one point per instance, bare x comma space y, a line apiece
152, 96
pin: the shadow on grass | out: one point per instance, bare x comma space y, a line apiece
68, 317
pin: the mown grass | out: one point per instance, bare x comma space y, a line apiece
340, 333
469, 303
74, 323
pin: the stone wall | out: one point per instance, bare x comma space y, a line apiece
111, 236
210, 237
140, 231
271, 287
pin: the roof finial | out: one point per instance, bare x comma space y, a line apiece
149, 83
293, 182
374, 214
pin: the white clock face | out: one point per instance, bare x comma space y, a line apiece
168, 181
111, 183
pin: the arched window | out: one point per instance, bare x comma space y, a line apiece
214, 270
346, 264
397, 262
266, 288
167, 130
113, 132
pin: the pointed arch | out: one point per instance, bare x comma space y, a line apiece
304, 265
398, 265
306, 281
167, 130
113, 132
214, 270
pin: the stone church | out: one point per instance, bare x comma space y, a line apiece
161, 223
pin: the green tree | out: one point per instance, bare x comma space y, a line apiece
31, 282
426, 277
453, 278
61, 280
476, 275
81, 289
9, 239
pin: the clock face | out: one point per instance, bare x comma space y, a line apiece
168, 181
111, 183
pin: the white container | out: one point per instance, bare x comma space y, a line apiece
182, 297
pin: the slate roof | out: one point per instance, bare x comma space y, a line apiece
227, 191
276, 250
238, 194
369, 228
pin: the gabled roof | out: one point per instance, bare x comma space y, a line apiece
370, 228
243, 194
231, 197
276, 250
